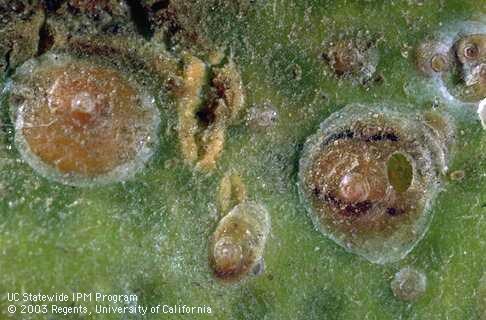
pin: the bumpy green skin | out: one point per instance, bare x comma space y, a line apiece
149, 236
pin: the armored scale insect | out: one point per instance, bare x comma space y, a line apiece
237, 245
87, 107
455, 59
368, 178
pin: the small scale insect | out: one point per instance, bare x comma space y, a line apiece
353, 58
237, 245
455, 58
433, 57
470, 51
409, 284
262, 117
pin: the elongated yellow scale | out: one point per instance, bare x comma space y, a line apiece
232, 191
224, 194
238, 243
229, 101
188, 103
202, 129
213, 139
229, 86
239, 188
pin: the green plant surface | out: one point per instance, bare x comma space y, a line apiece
149, 236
